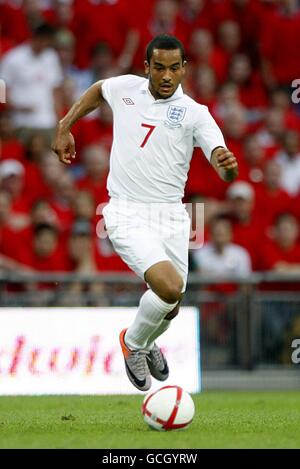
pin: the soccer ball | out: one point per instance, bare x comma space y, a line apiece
168, 408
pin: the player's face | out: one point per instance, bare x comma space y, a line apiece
165, 71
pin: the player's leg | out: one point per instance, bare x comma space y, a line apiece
165, 292
176, 247
163, 327
156, 309
164, 280
166, 322
143, 251
157, 362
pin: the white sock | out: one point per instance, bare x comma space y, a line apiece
151, 313
164, 325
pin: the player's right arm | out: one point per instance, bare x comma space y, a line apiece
64, 144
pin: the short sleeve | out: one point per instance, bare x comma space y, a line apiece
111, 86
207, 134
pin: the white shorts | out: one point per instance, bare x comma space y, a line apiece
144, 234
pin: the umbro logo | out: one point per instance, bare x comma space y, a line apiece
128, 101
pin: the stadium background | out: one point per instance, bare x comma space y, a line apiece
242, 61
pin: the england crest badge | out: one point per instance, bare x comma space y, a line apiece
175, 115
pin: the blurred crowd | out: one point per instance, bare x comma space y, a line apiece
242, 61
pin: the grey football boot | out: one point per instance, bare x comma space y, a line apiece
136, 365
157, 364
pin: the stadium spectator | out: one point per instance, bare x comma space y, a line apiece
41, 213
227, 99
282, 252
36, 148
204, 52
279, 44
247, 231
23, 19
65, 47
271, 133
272, 200
251, 91
102, 62
10, 147
96, 162
84, 207
49, 172
195, 14
7, 228
33, 76
12, 179
45, 253
165, 18
205, 85
220, 257
11, 240
289, 160
280, 99
81, 247
62, 199
81, 258
118, 29
252, 161
235, 128
229, 38
61, 15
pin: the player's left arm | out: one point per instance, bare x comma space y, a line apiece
225, 163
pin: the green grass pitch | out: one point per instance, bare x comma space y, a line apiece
222, 420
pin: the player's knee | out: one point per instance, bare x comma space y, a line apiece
172, 293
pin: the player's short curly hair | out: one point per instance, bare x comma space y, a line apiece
167, 42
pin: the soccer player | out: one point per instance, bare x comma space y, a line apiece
156, 127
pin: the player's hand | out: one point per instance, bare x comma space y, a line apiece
64, 146
225, 159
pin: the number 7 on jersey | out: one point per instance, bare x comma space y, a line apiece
151, 128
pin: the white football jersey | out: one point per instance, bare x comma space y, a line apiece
154, 140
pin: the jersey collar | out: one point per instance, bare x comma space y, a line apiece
144, 88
